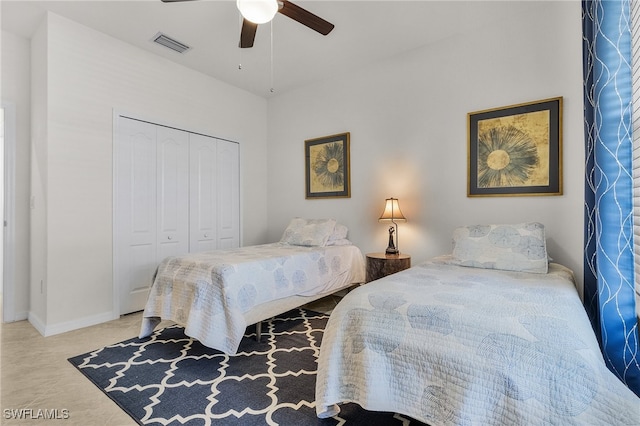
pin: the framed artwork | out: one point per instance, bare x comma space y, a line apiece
515, 150
327, 168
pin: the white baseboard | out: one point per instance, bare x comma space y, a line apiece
52, 329
36, 322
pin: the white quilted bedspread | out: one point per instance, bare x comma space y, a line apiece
452, 345
209, 292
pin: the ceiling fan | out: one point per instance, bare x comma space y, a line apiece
255, 12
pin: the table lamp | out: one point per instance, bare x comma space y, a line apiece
392, 214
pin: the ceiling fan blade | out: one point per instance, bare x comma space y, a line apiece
248, 33
305, 17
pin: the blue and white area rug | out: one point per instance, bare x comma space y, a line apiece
172, 379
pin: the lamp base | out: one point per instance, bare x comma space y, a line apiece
391, 247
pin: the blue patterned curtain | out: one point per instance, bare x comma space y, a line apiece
609, 257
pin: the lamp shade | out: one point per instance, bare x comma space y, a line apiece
258, 11
392, 212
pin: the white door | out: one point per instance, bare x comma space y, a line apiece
228, 186
135, 212
203, 202
172, 192
11, 295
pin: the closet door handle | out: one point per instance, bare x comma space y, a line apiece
169, 237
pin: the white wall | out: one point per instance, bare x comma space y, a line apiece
37, 199
407, 119
88, 75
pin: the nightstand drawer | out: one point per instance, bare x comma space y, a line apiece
380, 264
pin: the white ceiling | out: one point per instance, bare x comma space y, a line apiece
365, 32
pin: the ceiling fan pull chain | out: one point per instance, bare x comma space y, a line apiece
272, 89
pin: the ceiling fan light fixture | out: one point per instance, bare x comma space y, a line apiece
258, 11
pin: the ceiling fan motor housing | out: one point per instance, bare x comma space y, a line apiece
258, 11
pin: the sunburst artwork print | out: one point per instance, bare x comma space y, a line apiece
327, 166
513, 151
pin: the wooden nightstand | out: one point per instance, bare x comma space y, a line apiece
381, 264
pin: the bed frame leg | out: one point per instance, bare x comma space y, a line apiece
258, 331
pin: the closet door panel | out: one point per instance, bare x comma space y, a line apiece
135, 212
173, 192
228, 186
203, 192
142, 192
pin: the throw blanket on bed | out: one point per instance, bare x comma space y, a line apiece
452, 345
209, 292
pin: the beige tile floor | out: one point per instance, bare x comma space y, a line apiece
35, 373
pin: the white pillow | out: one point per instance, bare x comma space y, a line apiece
339, 233
520, 247
308, 232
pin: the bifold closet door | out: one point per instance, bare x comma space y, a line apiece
175, 192
228, 188
215, 193
172, 192
134, 212
203, 166
151, 205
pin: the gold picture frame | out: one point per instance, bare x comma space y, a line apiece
327, 167
515, 150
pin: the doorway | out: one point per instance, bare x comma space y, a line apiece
7, 164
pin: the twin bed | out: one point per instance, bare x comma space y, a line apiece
471, 339
215, 295
492, 334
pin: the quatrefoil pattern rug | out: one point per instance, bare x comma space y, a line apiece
172, 379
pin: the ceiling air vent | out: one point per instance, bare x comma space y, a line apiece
172, 44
